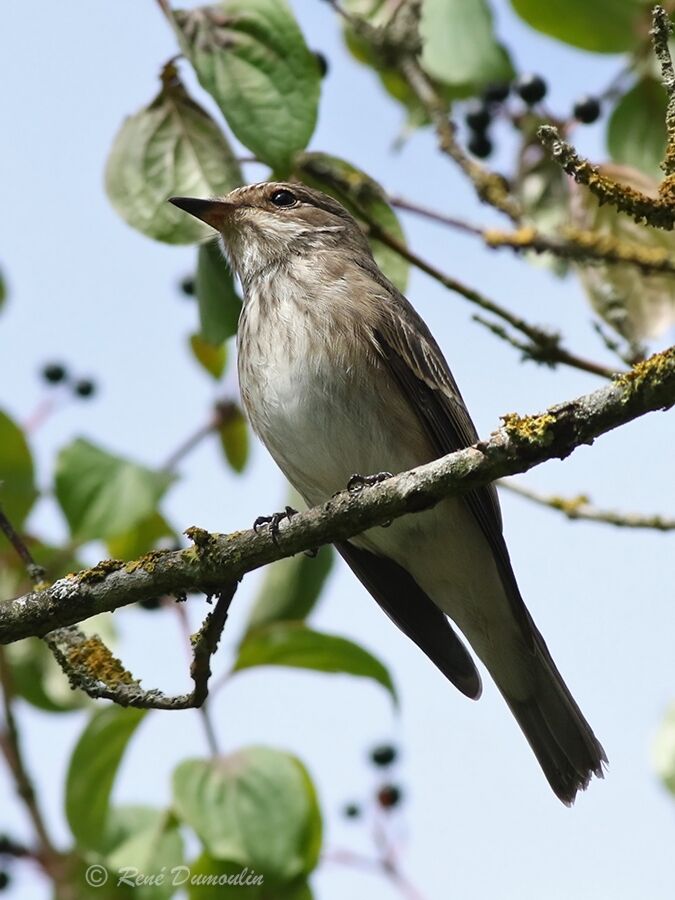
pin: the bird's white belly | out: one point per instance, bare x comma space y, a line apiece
322, 423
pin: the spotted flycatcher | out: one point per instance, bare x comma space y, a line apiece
338, 375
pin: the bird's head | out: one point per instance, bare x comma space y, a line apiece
264, 225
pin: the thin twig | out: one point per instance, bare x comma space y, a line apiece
36, 573
223, 410
573, 244
91, 667
490, 187
550, 349
10, 744
581, 508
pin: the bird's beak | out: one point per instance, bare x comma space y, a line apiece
213, 212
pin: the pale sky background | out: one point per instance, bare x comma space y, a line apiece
479, 819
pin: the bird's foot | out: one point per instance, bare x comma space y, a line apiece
357, 482
274, 521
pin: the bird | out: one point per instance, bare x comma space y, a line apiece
339, 375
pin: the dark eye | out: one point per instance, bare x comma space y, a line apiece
283, 198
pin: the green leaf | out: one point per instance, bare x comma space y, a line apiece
636, 133
663, 750
146, 841
602, 26
291, 588
211, 357
208, 875
250, 55
92, 770
219, 303
364, 198
141, 538
293, 644
172, 147
17, 477
104, 496
256, 808
3, 291
459, 44
233, 434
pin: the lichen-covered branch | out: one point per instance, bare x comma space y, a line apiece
581, 508
215, 561
91, 667
656, 211
660, 32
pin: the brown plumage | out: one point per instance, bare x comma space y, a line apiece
339, 375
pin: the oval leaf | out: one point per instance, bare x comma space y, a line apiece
459, 44
364, 198
219, 303
603, 26
211, 357
103, 496
92, 771
207, 875
256, 808
291, 588
293, 644
140, 840
636, 133
233, 434
143, 537
251, 57
170, 147
17, 476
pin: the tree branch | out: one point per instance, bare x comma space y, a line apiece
581, 508
216, 561
91, 667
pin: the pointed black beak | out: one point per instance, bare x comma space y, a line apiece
213, 212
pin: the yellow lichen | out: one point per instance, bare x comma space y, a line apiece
95, 660
533, 429
653, 370
99, 572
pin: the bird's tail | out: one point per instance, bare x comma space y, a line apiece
562, 740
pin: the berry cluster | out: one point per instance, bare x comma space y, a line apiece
531, 89
56, 373
388, 795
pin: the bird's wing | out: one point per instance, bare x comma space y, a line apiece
416, 363
418, 617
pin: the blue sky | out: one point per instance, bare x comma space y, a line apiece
479, 819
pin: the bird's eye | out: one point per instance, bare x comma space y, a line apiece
283, 198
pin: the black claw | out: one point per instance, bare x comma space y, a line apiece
274, 520
357, 482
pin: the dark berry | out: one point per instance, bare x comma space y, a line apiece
384, 755
480, 145
352, 811
497, 92
389, 796
587, 110
150, 604
477, 116
187, 285
322, 63
4, 880
531, 88
54, 373
85, 387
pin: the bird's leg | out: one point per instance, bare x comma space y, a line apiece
357, 482
274, 520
